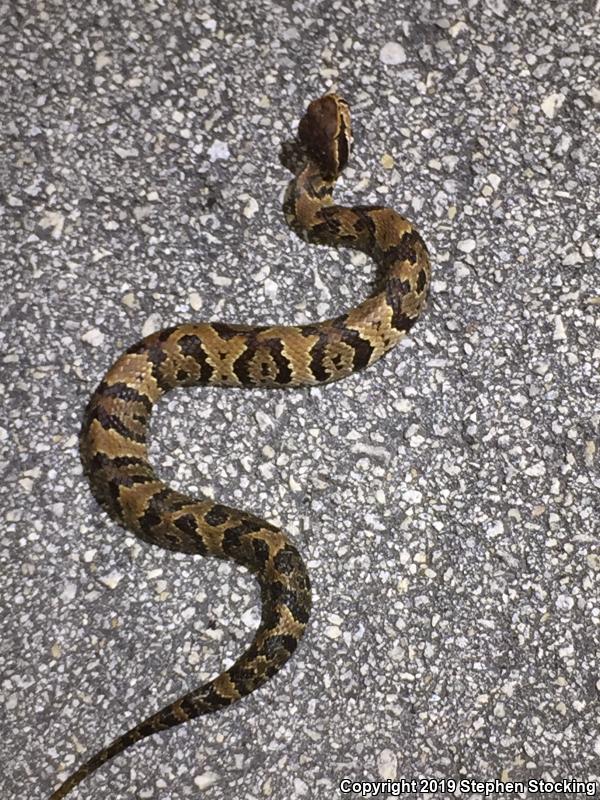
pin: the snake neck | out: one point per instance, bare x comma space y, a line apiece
305, 198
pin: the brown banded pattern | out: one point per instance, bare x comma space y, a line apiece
114, 432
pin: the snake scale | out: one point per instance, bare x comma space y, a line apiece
114, 431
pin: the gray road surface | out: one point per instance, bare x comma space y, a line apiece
446, 500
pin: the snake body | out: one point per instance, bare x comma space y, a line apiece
114, 431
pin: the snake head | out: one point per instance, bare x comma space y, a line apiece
325, 132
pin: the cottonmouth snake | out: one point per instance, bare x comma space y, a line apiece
114, 432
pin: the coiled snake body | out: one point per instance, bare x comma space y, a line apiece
113, 436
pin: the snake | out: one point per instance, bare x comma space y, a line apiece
113, 439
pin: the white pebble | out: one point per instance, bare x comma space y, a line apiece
564, 602
112, 580
536, 470
26, 484
251, 617
333, 632
126, 152
498, 7
589, 452
267, 470
218, 150
392, 53
264, 421
542, 69
102, 60
300, 788
570, 259
371, 450
54, 220
413, 496
219, 280
467, 245
586, 249
69, 592
496, 528
152, 324
250, 208
560, 334
195, 301
98, 255
142, 212
270, 287
564, 145
206, 779
93, 337
387, 765
458, 28
552, 103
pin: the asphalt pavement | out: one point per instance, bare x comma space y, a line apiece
446, 500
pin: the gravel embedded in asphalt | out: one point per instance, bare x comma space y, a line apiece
446, 500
